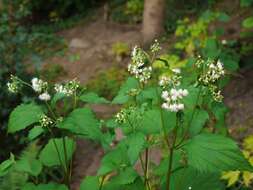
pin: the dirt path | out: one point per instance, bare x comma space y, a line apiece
91, 44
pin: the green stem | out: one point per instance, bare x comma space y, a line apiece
102, 182
191, 119
146, 168
169, 172
162, 120
66, 177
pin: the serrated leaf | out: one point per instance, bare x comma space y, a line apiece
49, 154
196, 121
90, 183
35, 132
247, 178
232, 177
6, 165
135, 143
23, 116
93, 98
126, 176
248, 22
114, 160
188, 178
122, 96
153, 121
82, 121
215, 153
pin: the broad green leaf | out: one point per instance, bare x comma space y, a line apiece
215, 153
93, 98
29, 165
6, 165
211, 49
126, 176
192, 98
122, 96
135, 143
188, 178
154, 120
49, 186
248, 22
246, 3
90, 183
28, 161
82, 121
220, 110
114, 160
196, 119
23, 116
35, 132
53, 153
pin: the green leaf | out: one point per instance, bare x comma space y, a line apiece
93, 98
215, 153
56, 98
126, 176
23, 116
53, 153
35, 132
122, 96
196, 121
114, 160
135, 143
82, 122
246, 3
6, 165
49, 186
188, 178
192, 98
153, 121
90, 183
28, 161
248, 22
211, 49
223, 17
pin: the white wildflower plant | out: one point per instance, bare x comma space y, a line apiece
211, 72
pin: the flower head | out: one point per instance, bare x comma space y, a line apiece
155, 47
45, 96
14, 85
67, 89
38, 85
45, 121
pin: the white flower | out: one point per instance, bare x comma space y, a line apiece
44, 96
14, 85
165, 106
155, 47
180, 106
190, 188
38, 85
176, 70
165, 95
45, 121
224, 42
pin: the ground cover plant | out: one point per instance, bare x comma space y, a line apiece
176, 111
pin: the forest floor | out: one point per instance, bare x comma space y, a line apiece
92, 44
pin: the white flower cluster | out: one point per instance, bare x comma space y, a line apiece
155, 47
45, 121
40, 86
67, 89
14, 85
172, 99
173, 80
214, 72
137, 66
